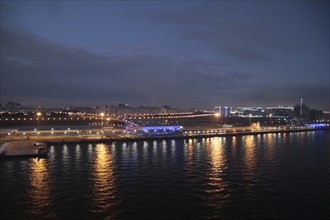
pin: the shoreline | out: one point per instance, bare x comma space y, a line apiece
181, 137
29, 149
70, 139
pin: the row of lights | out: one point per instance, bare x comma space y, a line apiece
156, 114
6, 119
152, 117
67, 132
186, 132
163, 117
198, 132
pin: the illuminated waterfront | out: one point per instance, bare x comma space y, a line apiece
282, 175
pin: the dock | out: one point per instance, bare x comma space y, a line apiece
23, 148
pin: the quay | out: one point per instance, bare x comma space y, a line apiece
170, 137
14, 142
23, 148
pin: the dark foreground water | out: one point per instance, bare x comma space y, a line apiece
279, 176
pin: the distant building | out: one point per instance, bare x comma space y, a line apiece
124, 109
224, 111
316, 115
326, 115
280, 112
301, 111
168, 109
13, 106
249, 111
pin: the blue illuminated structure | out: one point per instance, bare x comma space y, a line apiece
317, 125
161, 130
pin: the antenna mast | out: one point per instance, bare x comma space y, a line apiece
301, 101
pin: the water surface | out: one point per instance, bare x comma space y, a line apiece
255, 176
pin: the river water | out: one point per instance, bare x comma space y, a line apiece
269, 176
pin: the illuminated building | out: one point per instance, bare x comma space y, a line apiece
161, 130
280, 111
249, 111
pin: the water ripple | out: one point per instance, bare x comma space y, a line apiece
259, 176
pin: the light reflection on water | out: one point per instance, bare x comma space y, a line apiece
78, 153
103, 182
65, 157
271, 145
39, 189
189, 156
249, 156
234, 145
221, 177
217, 162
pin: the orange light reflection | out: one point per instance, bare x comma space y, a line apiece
39, 190
216, 161
103, 180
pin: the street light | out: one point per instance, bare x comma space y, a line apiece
217, 115
38, 114
250, 115
102, 114
270, 119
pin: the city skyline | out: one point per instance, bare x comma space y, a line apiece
184, 54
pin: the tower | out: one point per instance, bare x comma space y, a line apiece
301, 103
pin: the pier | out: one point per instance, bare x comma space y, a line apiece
23, 148
19, 144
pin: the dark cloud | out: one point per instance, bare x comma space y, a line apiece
313, 95
6, 12
186, 55
227, 30
36, 67
191, 16
244, 53
54, 6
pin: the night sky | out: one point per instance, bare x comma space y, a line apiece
180, 53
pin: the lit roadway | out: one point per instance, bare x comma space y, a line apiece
100, 117
131, 130
101, 134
